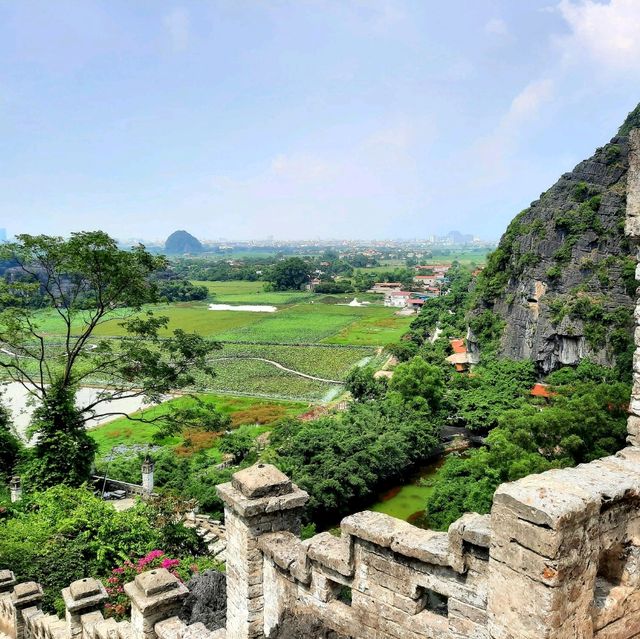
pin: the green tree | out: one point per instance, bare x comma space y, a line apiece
291, 273
418, 383
363, 385
10, 445
86, 281
238, 443
342, 460
585, 421
63, 534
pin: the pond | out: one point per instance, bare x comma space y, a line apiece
407, 501
252, 308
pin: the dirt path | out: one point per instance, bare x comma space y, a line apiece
282, 368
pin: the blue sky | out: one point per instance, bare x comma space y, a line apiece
244, 119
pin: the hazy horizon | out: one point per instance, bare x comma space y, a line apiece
352, 119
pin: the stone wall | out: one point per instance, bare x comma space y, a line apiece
557, 558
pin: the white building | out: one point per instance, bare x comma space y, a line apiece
397, 299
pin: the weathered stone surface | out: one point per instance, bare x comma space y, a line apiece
547, 503
247, 507
206, 602
26, 594
7, 580
154, 582
426, 545
261, 480
282, 547
332, 552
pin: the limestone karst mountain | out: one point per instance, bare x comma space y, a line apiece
181, 242
562, 277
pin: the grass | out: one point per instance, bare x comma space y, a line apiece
316, 322
242, 410
372, 331
192, 317
242, 292
311, 336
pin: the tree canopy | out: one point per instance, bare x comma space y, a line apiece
82, 283
291, 273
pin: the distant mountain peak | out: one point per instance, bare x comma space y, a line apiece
180, 242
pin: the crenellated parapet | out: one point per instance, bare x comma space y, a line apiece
383, 575
558, 557
156, 597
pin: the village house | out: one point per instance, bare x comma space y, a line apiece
416, 303
429, 280
397, 299
384, 287
436, 269
312, 284
460, 357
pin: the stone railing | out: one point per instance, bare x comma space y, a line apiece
558, 557
156, 597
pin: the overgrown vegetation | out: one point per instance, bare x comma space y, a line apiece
63, 534
585, 419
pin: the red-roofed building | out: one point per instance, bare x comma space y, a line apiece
460, 358
542, 390
458, 346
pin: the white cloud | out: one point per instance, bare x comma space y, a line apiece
493, 153
496, 26
375, 172
607, 33
528, 102
177, 24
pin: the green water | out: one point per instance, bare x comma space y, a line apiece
408, 500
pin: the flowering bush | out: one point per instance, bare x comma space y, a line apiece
118, 604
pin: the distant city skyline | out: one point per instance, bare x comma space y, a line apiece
302, 118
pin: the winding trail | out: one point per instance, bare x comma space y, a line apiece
282, 368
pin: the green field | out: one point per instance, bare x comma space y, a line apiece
242, 410
241, 292
317, 335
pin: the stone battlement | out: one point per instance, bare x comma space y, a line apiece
558, 557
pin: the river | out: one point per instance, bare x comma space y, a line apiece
20, 404
407, 500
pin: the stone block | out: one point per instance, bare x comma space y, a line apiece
248, 507
426, 545
26, 594
83, 594
261, 480
7, 580
282, 547
552, 503
377, 528
331, 552
155, 589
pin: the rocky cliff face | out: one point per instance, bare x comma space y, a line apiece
562, 277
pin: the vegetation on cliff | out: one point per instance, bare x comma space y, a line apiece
566, 252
